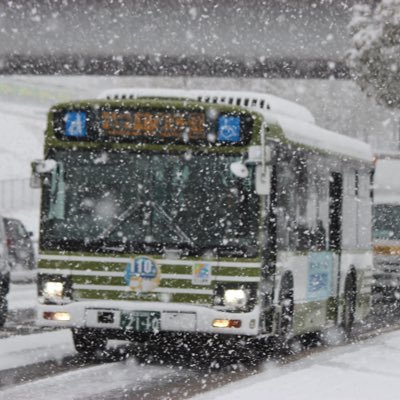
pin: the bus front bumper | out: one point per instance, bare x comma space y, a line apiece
148, 317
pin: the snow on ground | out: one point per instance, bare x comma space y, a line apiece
367, 370
18, 351
91, 381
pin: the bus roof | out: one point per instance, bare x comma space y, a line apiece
296, 121
312, 135
253, 100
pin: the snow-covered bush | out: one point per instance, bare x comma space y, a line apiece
374, 57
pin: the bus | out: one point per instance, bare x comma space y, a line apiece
200, 215
386, 231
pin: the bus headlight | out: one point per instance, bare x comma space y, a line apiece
53, 290
235, 298
232, 297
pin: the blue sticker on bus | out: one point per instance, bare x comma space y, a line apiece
75, 124
229, 129
142, 274
320, 271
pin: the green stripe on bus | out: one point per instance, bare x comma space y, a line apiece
236, 271
86, 294
181, 284
82, 265
176, 269
98, 280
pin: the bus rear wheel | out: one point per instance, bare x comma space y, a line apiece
88, 342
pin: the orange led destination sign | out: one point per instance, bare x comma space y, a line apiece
152, 125
156, 124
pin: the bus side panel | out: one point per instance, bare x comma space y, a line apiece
314, 276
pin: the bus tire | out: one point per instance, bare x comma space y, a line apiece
286, 302
88, 342
349, 307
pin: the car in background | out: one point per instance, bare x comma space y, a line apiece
4, 274
19, 245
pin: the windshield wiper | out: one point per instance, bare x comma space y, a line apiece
120, 219
132, 209
172, 223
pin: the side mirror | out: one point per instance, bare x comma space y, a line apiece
239, 169
263, 180
35, 182
40, 167
261, 156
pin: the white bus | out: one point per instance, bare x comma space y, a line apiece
200, 214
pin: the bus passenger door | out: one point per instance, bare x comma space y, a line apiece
335, 229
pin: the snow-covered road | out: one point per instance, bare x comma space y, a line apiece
80, 381
44, 364
37, 365
368, 370
53, 369
18, 351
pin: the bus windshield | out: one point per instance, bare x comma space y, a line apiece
149, 201
386, 221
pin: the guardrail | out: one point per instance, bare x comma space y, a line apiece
17, 194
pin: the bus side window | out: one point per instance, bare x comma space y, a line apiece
284, 204
301, 187
57, 193
317, 211
318, 236
364, 212
301, 209
290, 228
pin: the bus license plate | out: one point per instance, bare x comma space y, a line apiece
141, 321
